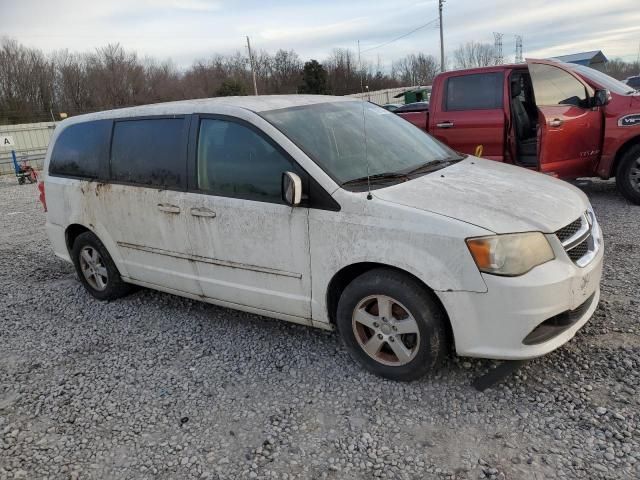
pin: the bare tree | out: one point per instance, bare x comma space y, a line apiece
344, 75
162, 82
417, 69
475, 54
286, 71
620, 69
26, 82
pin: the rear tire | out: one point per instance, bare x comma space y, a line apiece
628, 175
96, 269
391, 325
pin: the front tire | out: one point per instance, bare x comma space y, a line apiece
391, 325
96, 269
628, 175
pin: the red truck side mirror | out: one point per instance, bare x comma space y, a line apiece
601, 97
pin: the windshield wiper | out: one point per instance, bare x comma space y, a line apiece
375, 178
434, 165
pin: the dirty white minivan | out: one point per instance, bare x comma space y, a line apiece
329, 212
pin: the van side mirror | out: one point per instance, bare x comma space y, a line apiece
291, 188
601, 97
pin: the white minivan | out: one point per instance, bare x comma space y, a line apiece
329, 212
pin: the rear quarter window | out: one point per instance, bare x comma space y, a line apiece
82, 150
481, 91
150, 152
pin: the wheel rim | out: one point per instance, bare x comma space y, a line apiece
386, 330
634, 175
93, 268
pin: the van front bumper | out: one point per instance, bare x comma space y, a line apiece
505, 322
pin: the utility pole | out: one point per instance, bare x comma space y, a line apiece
440, 3
360, 68
253, 70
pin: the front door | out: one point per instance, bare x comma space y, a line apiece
472, 114
251, 249
570, 129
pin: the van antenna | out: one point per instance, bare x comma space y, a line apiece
364, 126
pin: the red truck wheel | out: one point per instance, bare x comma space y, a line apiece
628, 175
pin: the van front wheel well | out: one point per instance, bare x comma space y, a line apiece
345, 276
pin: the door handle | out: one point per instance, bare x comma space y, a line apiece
202, 212
446, 124
168, 208
556, 122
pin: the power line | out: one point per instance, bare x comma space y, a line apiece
401, 36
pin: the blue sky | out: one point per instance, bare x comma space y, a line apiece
186, 30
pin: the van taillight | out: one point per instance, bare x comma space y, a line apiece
43, 200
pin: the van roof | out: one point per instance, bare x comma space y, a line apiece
257, 103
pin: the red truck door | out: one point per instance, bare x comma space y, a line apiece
570, 129
471, 113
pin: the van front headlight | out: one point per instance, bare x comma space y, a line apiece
510, 255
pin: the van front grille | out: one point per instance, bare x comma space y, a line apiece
567, 232
579, 251
580, 239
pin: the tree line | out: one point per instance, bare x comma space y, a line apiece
38, 87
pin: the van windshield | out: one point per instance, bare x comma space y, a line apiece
332, 134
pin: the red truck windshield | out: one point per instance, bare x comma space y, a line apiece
332, 134
603, 80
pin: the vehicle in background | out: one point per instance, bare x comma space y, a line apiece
563, 119
633, 82
281, 206
413, 107
392, 107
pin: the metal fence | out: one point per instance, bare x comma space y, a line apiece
29, 140
381, 97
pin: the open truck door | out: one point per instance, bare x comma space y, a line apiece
570, 126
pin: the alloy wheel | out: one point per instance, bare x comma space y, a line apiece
386, 330
93, 268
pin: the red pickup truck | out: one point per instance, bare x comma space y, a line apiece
562, 119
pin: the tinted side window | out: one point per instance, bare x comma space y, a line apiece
480, 91
553, 86
82, 150
235, 161
149, 152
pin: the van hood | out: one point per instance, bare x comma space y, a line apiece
495, 196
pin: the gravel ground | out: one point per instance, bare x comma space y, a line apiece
157, 386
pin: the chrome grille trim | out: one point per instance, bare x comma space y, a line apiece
581, 239
583, 232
